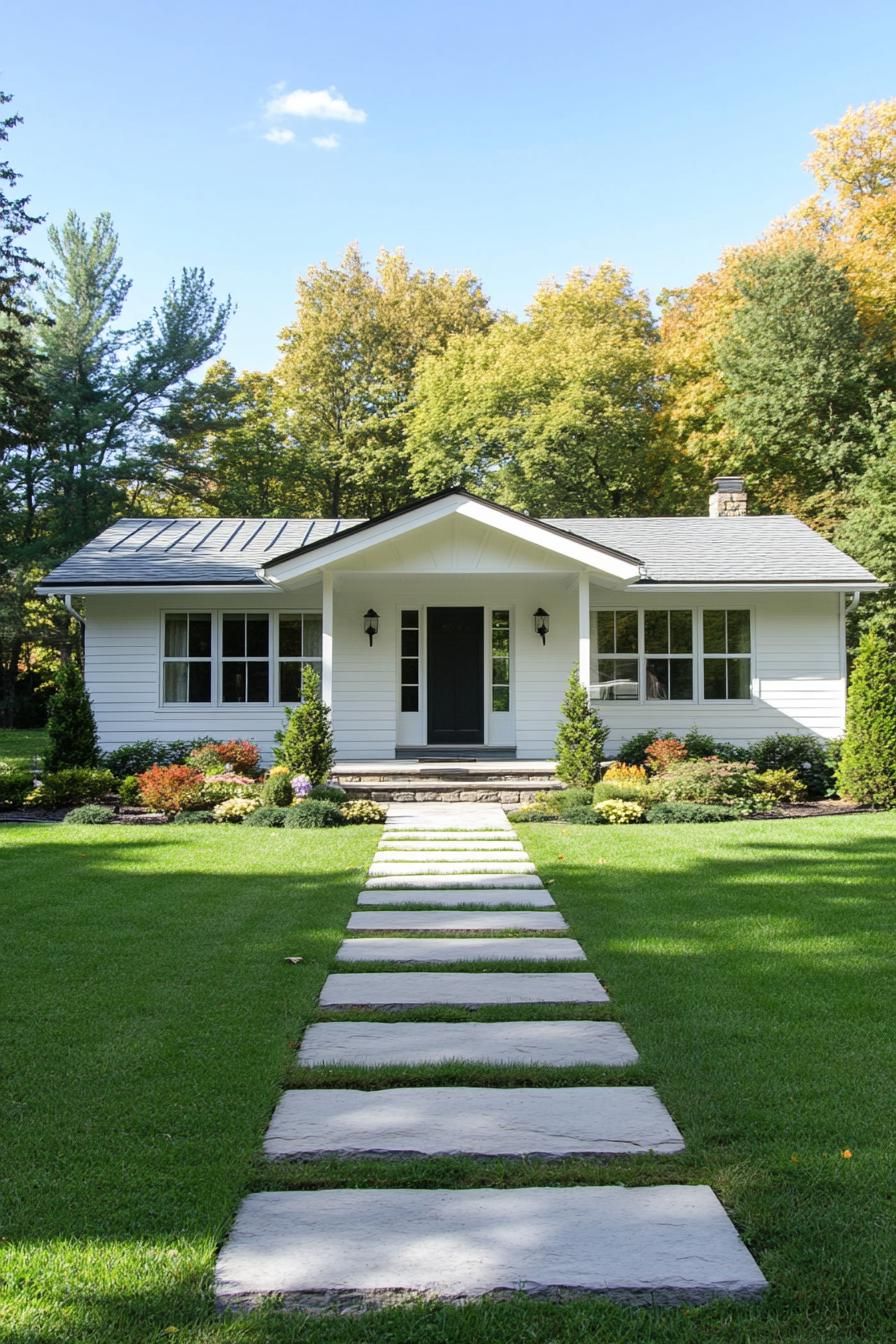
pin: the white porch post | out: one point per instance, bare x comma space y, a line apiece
326, 677
585, 629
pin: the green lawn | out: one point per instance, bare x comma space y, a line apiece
148, 1027
19, 746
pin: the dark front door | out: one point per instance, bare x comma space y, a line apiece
454, 674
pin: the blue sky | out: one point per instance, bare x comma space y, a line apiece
512, 138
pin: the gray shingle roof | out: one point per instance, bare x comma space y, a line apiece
200, 551
753, 549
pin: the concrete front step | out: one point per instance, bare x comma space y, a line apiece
456, 921
544, 1044
528, 1122
460, 881
315, 1249
456, 897
460, 989
401, 834
448, 844
429, 951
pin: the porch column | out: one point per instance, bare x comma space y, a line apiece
585, 630
326, 663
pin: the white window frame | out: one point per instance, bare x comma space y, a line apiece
421, 659
511, 661
164, 659
277, 659
749, 657
217, 661
643, 657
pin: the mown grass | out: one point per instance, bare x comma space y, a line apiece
152, 1018
19, 746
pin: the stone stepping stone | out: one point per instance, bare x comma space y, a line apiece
462, 989
483, 847
454, 896
548, 1044
491, 837
419, 865
456, 921
448, 816
655, 1245
426, 951
472, 881
532, 1122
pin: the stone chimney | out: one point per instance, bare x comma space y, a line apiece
729, 498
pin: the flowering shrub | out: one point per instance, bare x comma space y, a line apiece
779, 786
170, 788
620, 773
707, 781
236, 809
237, 757
218, 788
363, 812
663, 752
631, 793
301, 787
618, 812
632, 751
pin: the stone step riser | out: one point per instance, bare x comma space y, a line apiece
471, 1122
659, 1245
470, 882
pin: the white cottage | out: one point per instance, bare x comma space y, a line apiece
450, 627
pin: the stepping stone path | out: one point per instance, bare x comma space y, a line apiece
350, 1248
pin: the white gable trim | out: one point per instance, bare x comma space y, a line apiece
582, 554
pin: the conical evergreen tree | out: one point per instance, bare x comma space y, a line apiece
71, 726
581, 737
306, 743
867, 769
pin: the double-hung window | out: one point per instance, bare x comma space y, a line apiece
669, 655
299, 643
614, 654
727, 653
187, 658
245, 657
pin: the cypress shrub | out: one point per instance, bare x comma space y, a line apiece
305, 745
71, 726
580, 739
867, 768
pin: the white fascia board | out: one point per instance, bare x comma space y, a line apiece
810, 586
590, 556
168, 589
343, 548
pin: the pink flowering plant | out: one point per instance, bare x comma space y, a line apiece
301, 787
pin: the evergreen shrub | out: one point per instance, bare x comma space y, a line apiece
867, 769
580, 739
663, 814
305, 744
92, 814
71, 727
69, 788
313, 815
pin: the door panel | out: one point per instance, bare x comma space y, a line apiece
455, 652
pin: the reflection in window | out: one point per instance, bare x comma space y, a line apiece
245, 657
668, 648
614, 654
726, 655
299, 641
501, 661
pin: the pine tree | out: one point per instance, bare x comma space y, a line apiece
70, 724
581, 737
867, 769
306, 743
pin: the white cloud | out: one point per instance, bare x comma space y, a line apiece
279, 136
326, 141
316, 104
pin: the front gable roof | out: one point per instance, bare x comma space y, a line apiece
590, 553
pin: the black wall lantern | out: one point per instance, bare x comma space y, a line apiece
371, 624
542, 623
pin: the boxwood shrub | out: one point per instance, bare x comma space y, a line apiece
69, 788
194, 819
15, 785
313, 814
328, 793
92, 814
665, 813
266, 816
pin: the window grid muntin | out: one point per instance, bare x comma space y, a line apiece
658, 652
409, 660
617, 669
499, 662
295, 662
254, 665
737, 663
201, 662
